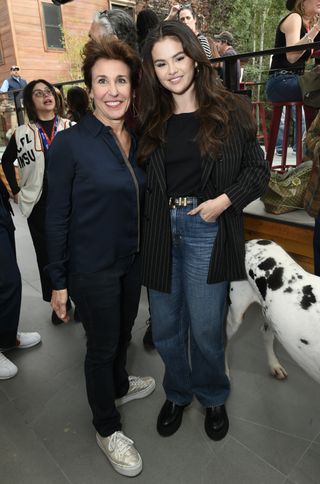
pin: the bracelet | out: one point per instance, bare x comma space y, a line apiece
307, 36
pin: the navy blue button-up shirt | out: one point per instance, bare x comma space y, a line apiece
94, 200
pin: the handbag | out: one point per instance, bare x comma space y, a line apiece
286, 191
310, 87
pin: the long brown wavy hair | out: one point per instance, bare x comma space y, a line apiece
157, 103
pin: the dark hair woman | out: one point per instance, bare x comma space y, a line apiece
300, 26
78, 103
93, 233
29, 145
186, 14
203, 167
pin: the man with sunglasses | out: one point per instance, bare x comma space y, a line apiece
15, 81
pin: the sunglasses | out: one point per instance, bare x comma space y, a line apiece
42, 93
15, 69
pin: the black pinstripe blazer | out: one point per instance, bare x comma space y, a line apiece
241, 172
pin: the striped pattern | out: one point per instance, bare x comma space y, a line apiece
241, 172
205, 45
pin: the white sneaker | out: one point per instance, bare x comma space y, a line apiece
139, 387
7, 368
27, 340
122, 454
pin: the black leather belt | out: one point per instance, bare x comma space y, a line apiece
182, 201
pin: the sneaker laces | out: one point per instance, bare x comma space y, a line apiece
135, 382
120, 442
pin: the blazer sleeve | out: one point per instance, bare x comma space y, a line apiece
60, 176
253, 176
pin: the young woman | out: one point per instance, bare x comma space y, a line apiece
95, 192
186, 15
300, 26
203, 166
29, 145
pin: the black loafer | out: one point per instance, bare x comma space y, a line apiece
170, 418
216, 423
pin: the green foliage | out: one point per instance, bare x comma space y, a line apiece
73, 44
253, 24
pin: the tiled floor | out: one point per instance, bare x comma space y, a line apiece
46, 436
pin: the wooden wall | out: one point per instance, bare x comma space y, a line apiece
26, 45
8, 50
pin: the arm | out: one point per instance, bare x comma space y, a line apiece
60, 175
8, 159
251, 182
5, 86
173, 12
291, 27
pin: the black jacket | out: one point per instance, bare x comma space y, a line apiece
241, 172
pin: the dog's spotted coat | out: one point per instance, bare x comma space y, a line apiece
290, 300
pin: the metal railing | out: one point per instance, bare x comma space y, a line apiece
230, 62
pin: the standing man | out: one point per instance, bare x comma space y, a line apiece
15, 81
225, 43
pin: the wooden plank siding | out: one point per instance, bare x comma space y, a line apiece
297, 240
8, 50
25, 28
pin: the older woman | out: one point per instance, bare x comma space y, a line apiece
203, 166
29, 145
93, 231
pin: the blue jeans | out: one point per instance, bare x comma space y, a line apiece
281, 128
285, 88
192, 307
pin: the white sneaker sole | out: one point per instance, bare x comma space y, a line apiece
136, 396
123, 470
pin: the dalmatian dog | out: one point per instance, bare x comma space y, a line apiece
290, 301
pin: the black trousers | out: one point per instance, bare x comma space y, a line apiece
10, 281
108, 303
36, 223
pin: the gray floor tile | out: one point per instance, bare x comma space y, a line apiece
280, 450
24, 459
307, 471
258, 397
236, 464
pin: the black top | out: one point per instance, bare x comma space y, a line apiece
280, 61
182, 155
10, 155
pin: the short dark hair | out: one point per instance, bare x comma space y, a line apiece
147, 19
28, 101
110, 49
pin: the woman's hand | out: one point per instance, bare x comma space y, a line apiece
210, 210
173, 11
59, 300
